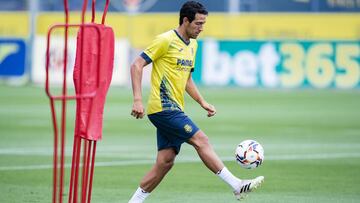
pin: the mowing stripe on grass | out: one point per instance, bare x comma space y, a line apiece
189, 160
112, 151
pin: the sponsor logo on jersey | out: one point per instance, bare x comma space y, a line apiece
184, 65
183, 62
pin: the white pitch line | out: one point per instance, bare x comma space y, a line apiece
191, 159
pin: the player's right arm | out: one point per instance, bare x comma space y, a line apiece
155, 50
136, 72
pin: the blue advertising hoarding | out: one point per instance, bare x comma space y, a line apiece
12, 57
279, 64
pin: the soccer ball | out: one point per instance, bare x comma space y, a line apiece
249, 154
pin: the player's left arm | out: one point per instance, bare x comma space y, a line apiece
193, 91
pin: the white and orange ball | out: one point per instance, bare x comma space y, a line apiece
249, 154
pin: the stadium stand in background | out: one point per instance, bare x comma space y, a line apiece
234, 26
212, 5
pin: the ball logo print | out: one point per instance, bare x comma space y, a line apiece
249, 154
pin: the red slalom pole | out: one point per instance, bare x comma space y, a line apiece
91, 85
64, 93
91, 171
86, 171
53, 113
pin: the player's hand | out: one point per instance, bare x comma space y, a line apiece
209, 108
138, 110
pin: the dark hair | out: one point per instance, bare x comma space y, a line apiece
190, 9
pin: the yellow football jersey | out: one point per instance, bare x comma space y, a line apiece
173, 60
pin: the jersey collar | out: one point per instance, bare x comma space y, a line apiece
185, 42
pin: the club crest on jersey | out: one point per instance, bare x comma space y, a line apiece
188, 128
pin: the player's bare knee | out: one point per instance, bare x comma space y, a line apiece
166, 164
200, 141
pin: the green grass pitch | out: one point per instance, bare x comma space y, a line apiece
311, 140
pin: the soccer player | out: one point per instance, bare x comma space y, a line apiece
173, 56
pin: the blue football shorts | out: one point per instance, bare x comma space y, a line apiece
173, 129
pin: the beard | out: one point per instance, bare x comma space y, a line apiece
193, 35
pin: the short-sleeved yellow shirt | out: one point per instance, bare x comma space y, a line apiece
173, 60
